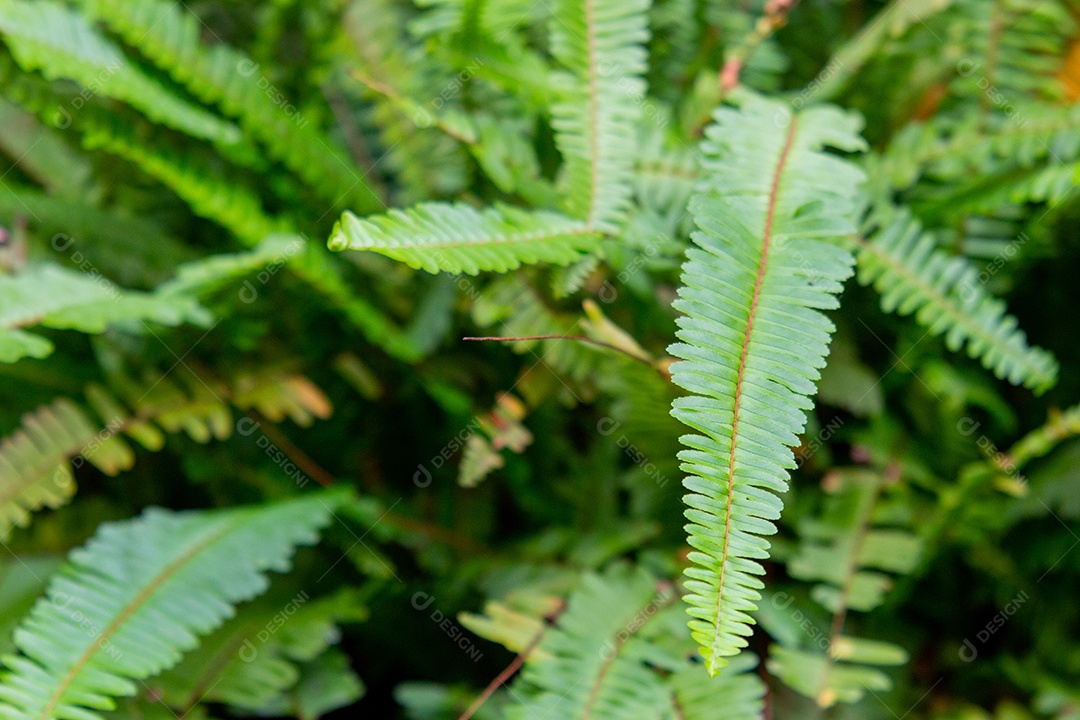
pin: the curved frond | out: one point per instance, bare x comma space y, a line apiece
458, 238
769, 259
138, 595
60, 43
168, 34
946, 296
234, 205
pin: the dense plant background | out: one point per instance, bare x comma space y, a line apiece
367, 513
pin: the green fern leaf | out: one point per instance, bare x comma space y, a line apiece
601, 46
768, 260
60, 43
138, 595
946, 296
457, 238
34, 469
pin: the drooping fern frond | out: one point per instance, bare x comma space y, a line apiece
850, 552
238, 208
35, 460
601, 47
55, 297
458, 238
60, 43
148, 589
34, 468
234, 205
168, 34
619, 651
769, 259
946, 296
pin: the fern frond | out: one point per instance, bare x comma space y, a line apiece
946, 296
1010, 54
34, 469
34, 460
245, 665
59, 42
1060, 426
215, 271
239, 209
168, 34
601, 46
849, 554
619, 651
768, 260
233, 205
148, 589
55, 297
946, 149
456, 238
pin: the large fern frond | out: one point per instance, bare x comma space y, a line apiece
769, 258
458, 238
138, 595
948, 298
601, 46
